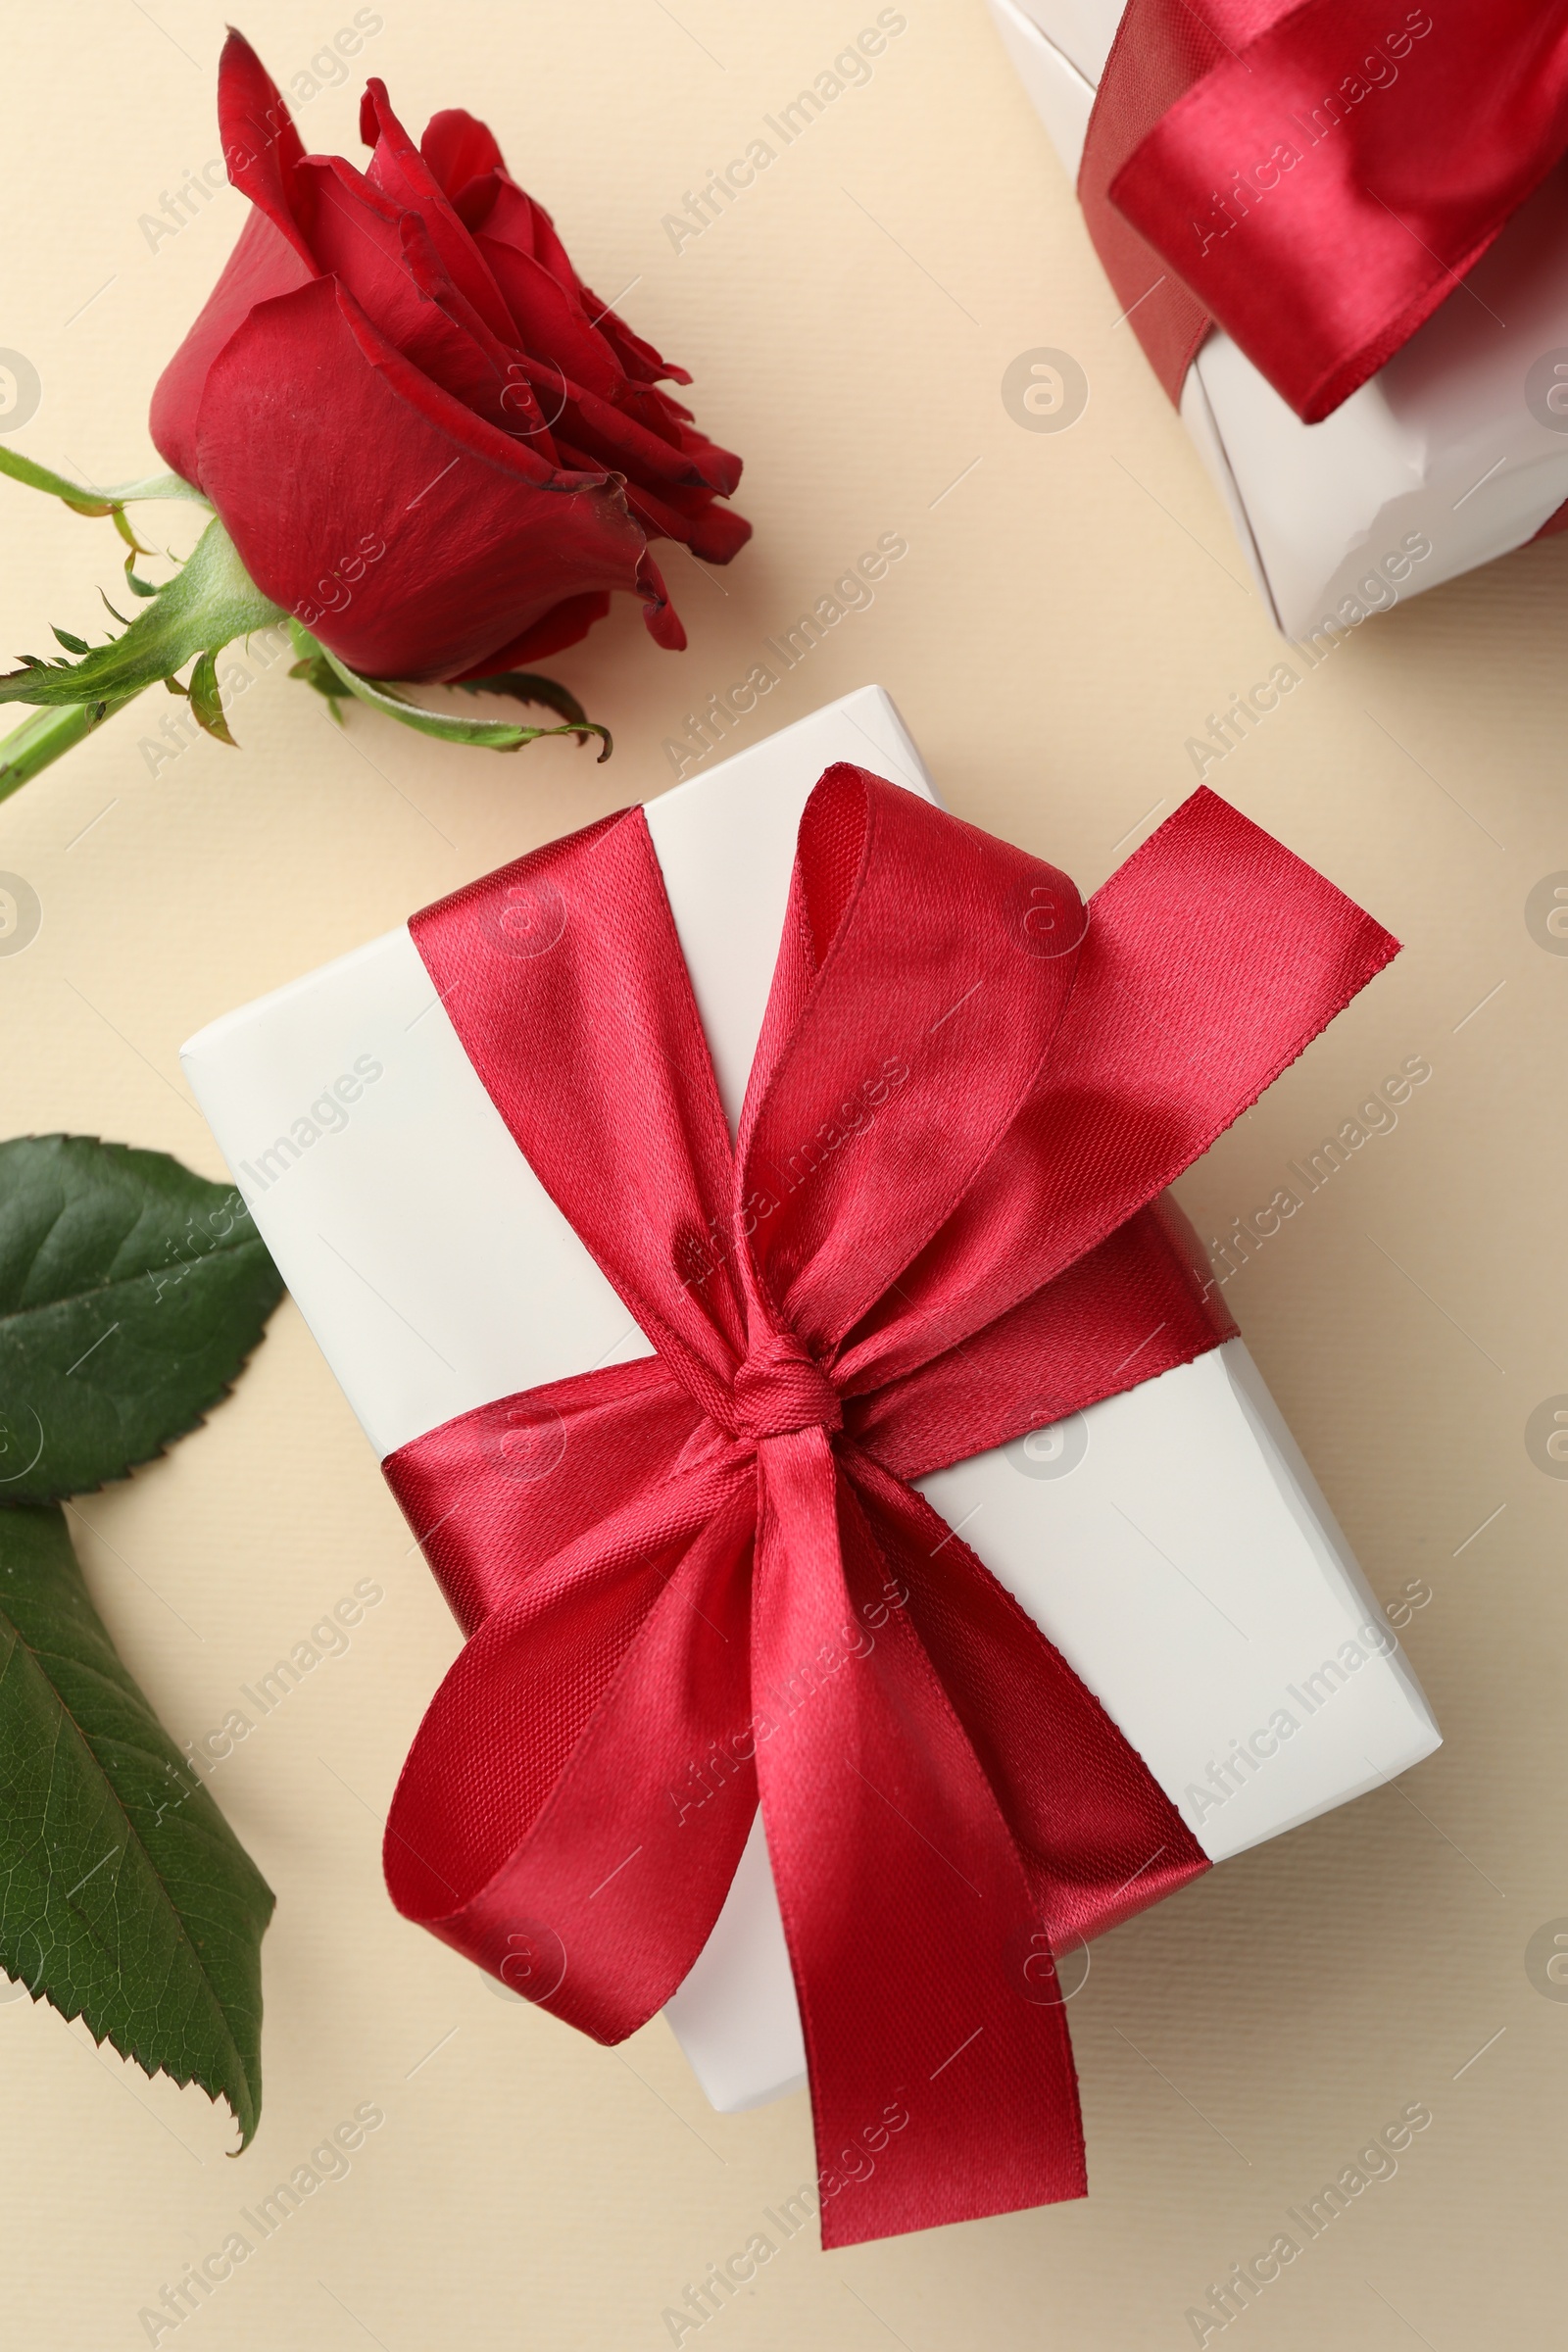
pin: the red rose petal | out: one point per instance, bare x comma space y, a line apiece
386, 260
400, 171
261, 266
545, 326
262, 148
659, 617
639, 359
620, 442
715, 534
459, 147
570, 622
411, 536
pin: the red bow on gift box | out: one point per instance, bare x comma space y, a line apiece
1316, 175
940, 1226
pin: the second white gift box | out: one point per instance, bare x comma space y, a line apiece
1263, 1686
1436, 464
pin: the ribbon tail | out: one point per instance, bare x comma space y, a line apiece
1100, 1838
942, 2085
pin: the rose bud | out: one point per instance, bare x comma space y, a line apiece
418, 437
430, 443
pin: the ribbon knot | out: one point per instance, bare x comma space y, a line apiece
781, 1388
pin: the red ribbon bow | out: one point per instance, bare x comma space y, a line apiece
1315, 174
705, 1576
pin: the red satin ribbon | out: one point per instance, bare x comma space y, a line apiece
705, 1577
1316, 175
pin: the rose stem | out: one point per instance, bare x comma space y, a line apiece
49, 733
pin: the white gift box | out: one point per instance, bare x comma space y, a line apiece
1439, 451
1171, 1541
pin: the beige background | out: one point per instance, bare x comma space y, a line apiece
1066, 616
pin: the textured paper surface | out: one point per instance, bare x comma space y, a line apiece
1071, 609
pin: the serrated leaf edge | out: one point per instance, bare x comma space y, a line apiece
198, 1420
18, 1641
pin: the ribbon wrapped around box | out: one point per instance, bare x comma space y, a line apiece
922, 1252
1340, 231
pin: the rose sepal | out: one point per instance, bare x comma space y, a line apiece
211, 600
494, 735
92, 499
112, 501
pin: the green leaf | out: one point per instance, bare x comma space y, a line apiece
131, 1293
96, 501
489, 735
211, 600
126, 1899
73, 645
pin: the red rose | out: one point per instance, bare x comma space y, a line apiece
427, 439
